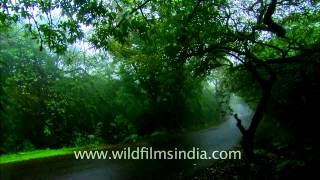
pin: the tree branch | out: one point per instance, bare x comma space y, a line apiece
239, 125
271, 25
133, 11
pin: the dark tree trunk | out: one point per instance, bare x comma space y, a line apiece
249, 134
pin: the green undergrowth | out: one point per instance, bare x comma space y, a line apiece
45, 153
36, 154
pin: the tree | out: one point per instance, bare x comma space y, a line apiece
26, 78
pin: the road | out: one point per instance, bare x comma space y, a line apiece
223, 137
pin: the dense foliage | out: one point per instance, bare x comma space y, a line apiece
77, 99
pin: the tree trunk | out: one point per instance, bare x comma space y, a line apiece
249, 134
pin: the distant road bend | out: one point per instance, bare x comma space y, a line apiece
223, 137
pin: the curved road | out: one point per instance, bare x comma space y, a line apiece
223, 137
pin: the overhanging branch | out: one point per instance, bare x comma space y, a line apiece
132, 11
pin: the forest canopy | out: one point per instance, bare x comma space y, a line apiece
148, 65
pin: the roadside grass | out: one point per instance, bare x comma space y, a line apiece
45, 153
36, 154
